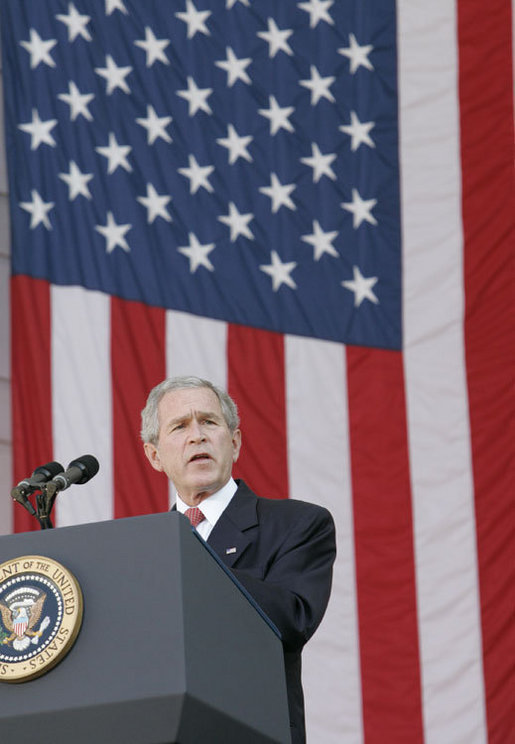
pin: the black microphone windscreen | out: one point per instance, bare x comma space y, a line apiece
49, 470
41, 475
89, 466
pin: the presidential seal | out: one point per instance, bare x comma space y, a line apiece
40, 616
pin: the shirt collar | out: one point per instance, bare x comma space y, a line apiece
212, 506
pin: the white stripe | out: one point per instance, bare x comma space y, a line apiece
6, 483
446, 567
195, 346
81, 398
6, 465
319, 471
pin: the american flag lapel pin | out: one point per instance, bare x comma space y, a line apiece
228, 551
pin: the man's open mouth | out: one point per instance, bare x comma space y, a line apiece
199, 457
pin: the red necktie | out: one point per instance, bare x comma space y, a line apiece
194, 515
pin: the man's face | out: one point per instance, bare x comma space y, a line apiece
195, 448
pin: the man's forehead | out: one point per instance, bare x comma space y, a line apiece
185, 401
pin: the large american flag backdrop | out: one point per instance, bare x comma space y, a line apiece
310, 203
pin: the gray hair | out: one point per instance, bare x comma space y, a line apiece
150, 415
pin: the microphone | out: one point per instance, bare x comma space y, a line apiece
80, 470
39, 477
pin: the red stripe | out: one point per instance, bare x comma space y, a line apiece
385, 567
486, 109
256, 381
31, 383
137, 363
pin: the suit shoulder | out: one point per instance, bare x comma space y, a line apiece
284, 511
294, 509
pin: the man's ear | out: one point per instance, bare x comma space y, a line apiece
236, 444
153, 456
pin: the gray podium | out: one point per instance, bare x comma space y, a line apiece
170, 650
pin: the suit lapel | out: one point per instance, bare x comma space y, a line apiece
229, 537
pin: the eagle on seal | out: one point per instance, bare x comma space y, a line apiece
20, 621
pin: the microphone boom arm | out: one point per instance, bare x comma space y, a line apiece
45, 501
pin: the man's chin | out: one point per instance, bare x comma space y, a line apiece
200, 490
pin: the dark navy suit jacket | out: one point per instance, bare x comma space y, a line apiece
284, 555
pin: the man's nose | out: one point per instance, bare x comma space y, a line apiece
196, 432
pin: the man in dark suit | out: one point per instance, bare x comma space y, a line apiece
282, 551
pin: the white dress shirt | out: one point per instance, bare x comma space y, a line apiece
211, 507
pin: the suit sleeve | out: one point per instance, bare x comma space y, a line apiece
297, 582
